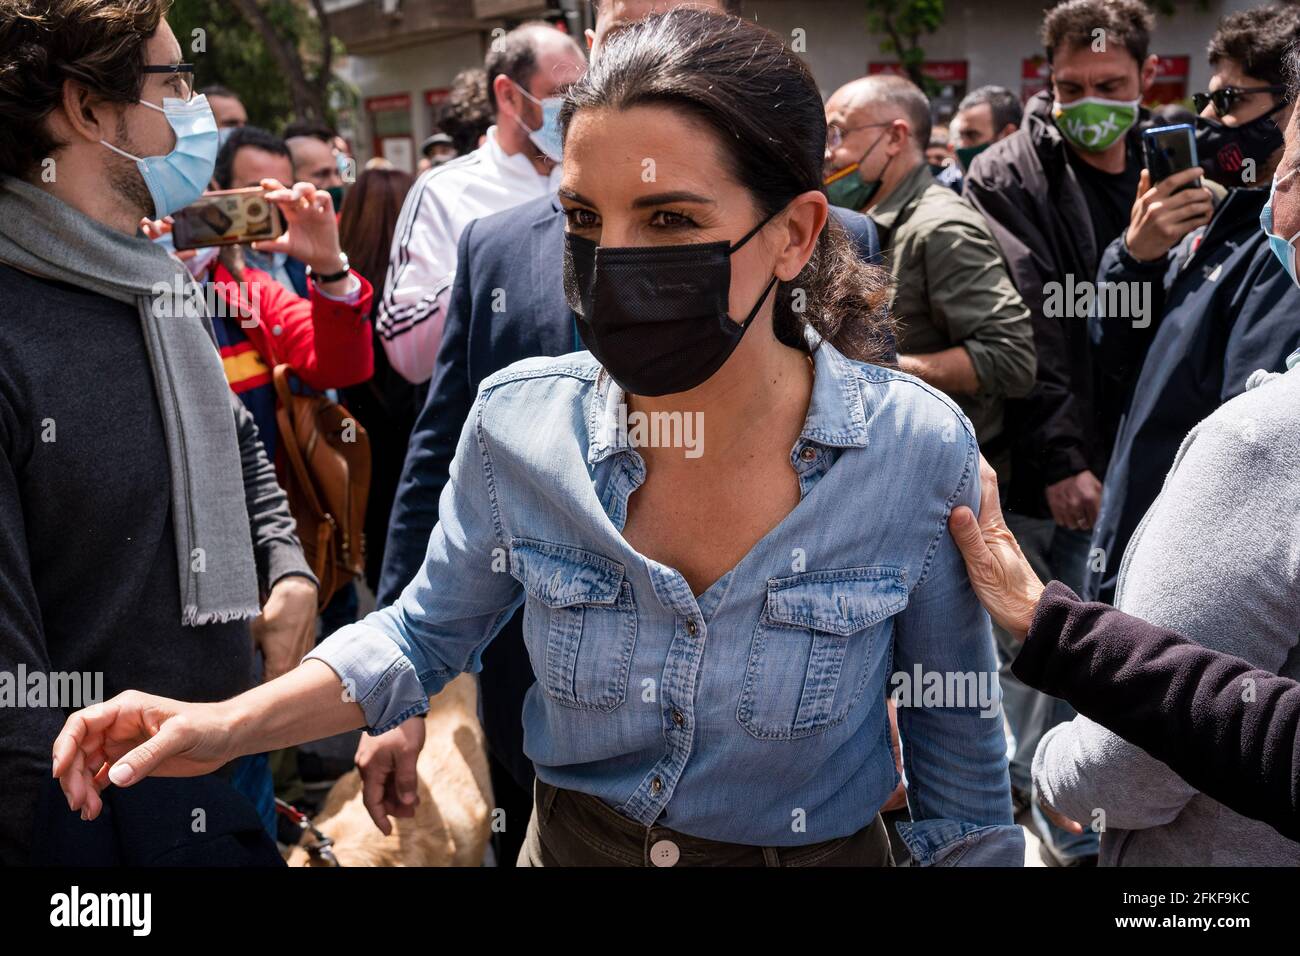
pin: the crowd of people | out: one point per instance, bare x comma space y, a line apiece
992, 519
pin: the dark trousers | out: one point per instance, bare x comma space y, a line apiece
568, 828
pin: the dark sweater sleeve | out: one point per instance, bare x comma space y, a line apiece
1227, 728
27, 732
275, 540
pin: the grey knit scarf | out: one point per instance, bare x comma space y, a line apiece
45, 237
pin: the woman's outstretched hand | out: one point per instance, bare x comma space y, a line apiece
126, 739
1003, 580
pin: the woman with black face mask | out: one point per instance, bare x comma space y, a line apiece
726, 522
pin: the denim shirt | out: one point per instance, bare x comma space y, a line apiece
754, 713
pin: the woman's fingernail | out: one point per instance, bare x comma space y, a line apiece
121, 774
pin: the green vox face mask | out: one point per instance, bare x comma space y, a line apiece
846, 189
966, 154
1095, 124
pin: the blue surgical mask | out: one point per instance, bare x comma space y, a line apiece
180, 177
1284, 249
547, 138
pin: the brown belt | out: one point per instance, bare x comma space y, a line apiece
569, 828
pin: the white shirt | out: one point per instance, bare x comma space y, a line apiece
443, 201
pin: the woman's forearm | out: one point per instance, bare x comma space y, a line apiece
308, 703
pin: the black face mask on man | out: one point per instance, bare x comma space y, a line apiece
656, 316
1226, 151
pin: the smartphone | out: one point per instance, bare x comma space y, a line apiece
1169, 150
227, 217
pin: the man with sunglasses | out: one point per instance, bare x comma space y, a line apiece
1222, 306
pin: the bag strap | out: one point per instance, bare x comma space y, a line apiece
289, 438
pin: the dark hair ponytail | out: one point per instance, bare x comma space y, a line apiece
763, 103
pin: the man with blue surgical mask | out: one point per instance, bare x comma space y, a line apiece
528, 71
143, 536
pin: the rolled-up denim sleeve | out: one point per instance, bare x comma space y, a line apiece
954, 751
395, 659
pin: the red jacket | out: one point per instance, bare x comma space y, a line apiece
328, 343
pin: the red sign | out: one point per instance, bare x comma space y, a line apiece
941, 71
1034, 68
382, 104
434, 97
1173, 67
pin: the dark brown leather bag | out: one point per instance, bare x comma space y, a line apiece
327, 481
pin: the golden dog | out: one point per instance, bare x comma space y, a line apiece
452, 819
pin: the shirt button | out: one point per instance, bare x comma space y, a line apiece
276, 330
656, 785
691, 628
678, 719
665, 853
809, 453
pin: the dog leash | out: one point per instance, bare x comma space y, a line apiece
322, 849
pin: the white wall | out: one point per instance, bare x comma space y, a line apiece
412, 70
993, 36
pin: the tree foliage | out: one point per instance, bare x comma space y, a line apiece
903, 23
276, 54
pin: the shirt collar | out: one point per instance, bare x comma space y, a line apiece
907, 192
519, 165
836, 411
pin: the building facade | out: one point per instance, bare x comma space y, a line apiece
403, 54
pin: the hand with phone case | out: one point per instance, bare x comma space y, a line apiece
1166, 212
312, 234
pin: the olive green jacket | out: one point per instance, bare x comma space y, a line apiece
952, 287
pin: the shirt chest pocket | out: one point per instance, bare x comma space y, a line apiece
810, 656
579, 622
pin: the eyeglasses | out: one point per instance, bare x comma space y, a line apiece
835, 134
1224, 97
184, 72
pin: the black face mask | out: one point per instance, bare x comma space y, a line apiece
656, 316
1224, 150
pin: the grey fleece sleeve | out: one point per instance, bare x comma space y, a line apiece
275, 541
1084, 770
1216, 558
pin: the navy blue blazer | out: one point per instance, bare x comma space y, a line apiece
519, 251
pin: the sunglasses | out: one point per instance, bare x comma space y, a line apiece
1224, 97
